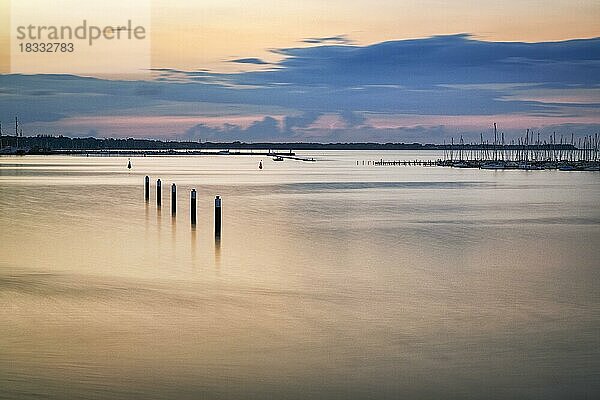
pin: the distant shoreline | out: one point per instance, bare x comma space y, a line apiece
62, 144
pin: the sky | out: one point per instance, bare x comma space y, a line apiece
331, 71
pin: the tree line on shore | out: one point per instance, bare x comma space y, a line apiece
47, 144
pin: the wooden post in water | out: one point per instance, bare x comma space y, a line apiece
173, 199
147, 188
218, 216
158, 193
193, 207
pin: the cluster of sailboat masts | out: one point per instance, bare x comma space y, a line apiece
18, 133
529, 152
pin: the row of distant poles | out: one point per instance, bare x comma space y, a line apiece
174, 203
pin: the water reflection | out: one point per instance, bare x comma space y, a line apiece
146, 218
334, 281
193, 245
218, 254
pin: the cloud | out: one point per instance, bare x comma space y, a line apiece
440, 78
267, 129
439, 60
300, 121
270, 130
250, 60
352, 118
338, 39
578, 130
93, 133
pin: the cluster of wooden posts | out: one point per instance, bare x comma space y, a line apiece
174, 203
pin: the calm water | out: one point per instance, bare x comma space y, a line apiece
331, 280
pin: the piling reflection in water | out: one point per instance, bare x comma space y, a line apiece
218, 253
174, 236
193, 244
146, 219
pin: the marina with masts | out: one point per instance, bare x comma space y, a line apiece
18, 149
529, 152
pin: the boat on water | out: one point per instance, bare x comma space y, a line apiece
277, 158
567, 167
10, 150
493, 165
461, 164
530, 167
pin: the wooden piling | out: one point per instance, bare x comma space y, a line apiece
193, 207
173, 199
158, 193
147, 188
218, 216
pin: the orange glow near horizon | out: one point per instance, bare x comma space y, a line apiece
143, 125
190, 35
165, 126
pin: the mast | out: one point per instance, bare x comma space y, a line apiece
538, 151
444, 149
481, 152
495, 140
596, 147
503, 147
17, 130
527, 147
571, 150
554, 147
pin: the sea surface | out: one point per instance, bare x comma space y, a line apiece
331, 280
